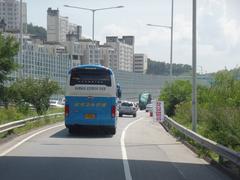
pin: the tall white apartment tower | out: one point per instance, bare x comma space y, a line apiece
124, 51
59, 29
53, 25
10, 14
57, 26
140, 63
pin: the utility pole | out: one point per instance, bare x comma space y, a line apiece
194, 67
171, 48
21, 36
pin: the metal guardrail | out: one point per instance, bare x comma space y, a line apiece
15, 124
223, 151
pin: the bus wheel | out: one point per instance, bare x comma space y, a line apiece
70, 130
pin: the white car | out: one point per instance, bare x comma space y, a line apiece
149, 108
55, 103
127, 108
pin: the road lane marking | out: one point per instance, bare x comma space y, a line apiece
127, 172
26, 139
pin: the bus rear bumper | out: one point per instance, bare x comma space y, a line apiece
110, 129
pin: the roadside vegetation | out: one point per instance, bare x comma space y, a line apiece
38, 31
218, 107
162, 68
31, 125
13, 114
23, 97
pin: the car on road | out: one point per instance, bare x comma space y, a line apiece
55, 103
149, 108
127, 108
136, 105
118, 104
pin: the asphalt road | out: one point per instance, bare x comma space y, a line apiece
141, 150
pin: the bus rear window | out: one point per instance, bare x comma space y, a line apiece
90, 76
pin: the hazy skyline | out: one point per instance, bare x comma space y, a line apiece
218, 27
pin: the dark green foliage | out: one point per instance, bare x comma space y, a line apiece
37, 31
218, 108
34, 92
223, 110
174, 94
8, 49
162, 68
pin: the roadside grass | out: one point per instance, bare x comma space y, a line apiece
197, 148
212, 157
31, 125
12, 114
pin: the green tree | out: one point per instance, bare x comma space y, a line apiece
218, 110
223, 110
162, 68
174, 94
8, 49
35, 92
37, 31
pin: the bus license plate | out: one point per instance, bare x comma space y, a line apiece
89, 116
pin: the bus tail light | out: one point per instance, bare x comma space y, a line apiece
66, 110
113, 111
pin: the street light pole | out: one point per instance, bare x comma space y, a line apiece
93, 19
171, 49
171, 45
194, 67
21, 33
93, 13
171, 40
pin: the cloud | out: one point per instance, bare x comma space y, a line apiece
217, 25
210, 30
218, 35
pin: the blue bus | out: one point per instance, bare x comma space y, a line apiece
91, 98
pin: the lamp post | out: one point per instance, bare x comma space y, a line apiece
93, 13
171, 43
21, 32
194, 65
21, 36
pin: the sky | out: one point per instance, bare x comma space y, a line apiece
218, 27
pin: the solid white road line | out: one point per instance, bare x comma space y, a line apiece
127, 172
27, 138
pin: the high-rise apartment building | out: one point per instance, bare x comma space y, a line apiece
59, 28
124, 51
53, 25
10, 14
107, 55
42, 61
140, 63
76, 53
91, 51
63, 28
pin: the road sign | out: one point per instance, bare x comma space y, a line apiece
158, 110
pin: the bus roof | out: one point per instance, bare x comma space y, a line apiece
91, 66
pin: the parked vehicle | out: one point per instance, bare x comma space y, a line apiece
127, 108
